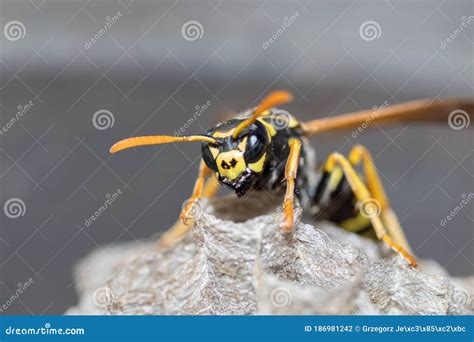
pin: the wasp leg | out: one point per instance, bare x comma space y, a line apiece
362, 195
360, 154
179, 229
290, 175
204, 171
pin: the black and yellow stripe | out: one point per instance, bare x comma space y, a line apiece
337, 204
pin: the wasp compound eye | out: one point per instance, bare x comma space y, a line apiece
256, 144
208, 157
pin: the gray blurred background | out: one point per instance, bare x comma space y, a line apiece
147, 75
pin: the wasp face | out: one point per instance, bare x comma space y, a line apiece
237, 162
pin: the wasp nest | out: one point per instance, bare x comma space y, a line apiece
232, 264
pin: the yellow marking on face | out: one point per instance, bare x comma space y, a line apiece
231, 164
214, 151
258, 165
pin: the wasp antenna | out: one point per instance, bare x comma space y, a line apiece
271, 100
158, 139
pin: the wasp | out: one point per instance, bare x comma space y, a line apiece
266, 148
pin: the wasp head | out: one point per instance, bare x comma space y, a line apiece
239, 160
237, 150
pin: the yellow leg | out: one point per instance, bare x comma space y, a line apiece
180, 229
362, 195
290, 175
204, 171
360, 154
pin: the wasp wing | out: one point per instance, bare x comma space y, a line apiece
457, 113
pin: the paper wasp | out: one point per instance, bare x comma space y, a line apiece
265, 148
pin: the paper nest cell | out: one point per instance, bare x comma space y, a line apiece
236, 261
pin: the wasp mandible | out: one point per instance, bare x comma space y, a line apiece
266, 148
